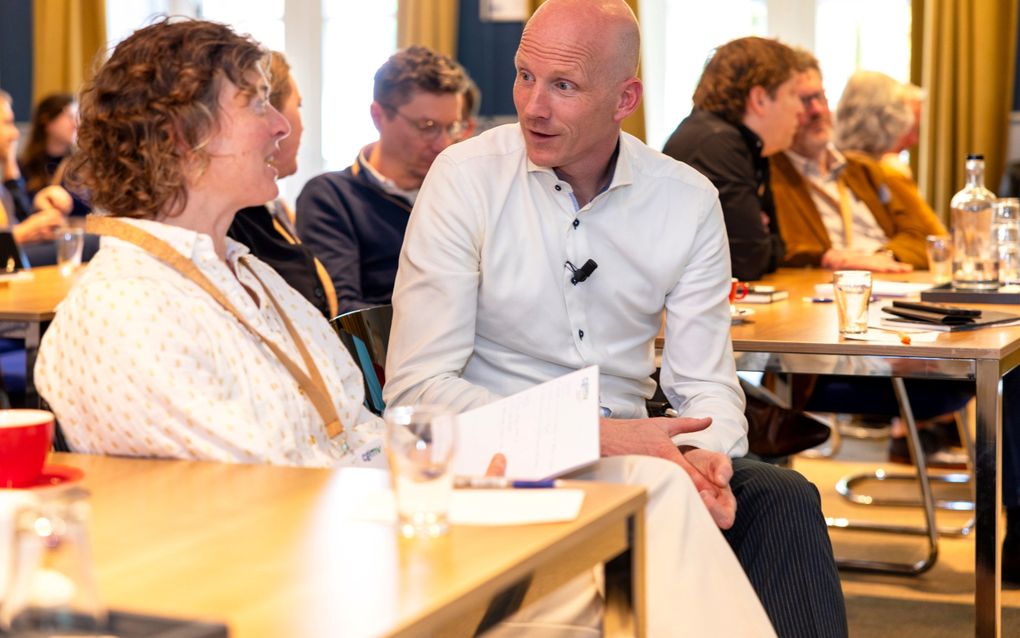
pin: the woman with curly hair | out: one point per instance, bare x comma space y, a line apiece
176, 341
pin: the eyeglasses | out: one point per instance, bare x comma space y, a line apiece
808, 100
430, 129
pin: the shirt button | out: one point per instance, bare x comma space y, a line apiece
577, 222
319, 293
558, 187
580, 334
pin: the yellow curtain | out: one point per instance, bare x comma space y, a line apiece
430, 23
967, 69
68, 36
635, 124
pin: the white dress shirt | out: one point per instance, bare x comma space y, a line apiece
140, 361
484, 307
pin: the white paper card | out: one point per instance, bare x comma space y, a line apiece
487, 507
543, 431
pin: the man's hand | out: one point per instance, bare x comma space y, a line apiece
41, 226
497, 466
855, 260
9, 158
55, 197
711, 472
651, 437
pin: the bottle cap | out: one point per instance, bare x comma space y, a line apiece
975, 156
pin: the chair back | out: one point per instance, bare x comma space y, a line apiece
366, 335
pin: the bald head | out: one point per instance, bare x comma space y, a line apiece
603, 32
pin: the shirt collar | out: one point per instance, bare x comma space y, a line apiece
380, 180
811, 168
621, 163
198, 247
752, 139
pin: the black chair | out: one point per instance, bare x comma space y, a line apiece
366, 335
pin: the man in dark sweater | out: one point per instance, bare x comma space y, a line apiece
354, 219
746, 107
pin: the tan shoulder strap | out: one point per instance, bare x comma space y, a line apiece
311, 383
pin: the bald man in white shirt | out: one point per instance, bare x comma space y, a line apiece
487, 301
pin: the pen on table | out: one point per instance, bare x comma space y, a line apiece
818, 299
500, 482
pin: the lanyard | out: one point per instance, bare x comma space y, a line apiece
311, 384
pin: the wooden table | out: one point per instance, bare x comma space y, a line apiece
802, 337
33, 301
271, 551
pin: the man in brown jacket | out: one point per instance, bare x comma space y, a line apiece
836, 210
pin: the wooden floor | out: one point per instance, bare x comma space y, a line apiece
935, 604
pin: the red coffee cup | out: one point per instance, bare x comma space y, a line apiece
738, 290
25, 437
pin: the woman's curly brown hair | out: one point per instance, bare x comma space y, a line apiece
150, 110
738, 66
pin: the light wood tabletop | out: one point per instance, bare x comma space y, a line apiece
35, 295
33, 298
800, 325
272, 551
800, 336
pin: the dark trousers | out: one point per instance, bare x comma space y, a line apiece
1011, 440
782, 542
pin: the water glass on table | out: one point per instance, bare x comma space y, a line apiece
70, 244
51, 589
1006, 229
852, 291
940, 257
420, 441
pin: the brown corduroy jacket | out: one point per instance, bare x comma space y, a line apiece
905, 223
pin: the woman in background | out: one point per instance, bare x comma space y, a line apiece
50, 140
268, 230
879, 116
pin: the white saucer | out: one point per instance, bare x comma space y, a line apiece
739, 314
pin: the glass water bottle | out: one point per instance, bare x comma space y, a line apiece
975, 256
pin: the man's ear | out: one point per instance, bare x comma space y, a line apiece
757, 98
630, 98
378, 113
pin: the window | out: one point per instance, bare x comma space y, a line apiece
352, 50
263, 20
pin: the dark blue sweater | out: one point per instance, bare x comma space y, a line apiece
356, 230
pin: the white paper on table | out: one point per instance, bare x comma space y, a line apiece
544, 431
487, 507
881, 288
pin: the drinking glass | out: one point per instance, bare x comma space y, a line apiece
1006, 230
852, 290
70, 244
420, 441
940, 257
51, 590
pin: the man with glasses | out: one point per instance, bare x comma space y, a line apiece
746, 108
836, 210
354, 219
